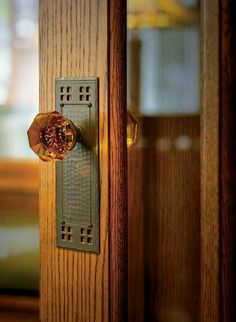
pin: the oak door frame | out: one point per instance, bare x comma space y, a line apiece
227, 159
218, 161
87, 38
118, 220
209, 133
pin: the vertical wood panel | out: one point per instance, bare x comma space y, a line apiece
73, 42
136, 239
118, 161
228, 159
171, 219
210, 162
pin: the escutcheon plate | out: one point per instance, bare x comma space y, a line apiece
77, 178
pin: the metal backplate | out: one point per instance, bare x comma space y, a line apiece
77, 180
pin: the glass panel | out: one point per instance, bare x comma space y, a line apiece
164, 165
169, 70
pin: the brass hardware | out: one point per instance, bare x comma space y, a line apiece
132, 130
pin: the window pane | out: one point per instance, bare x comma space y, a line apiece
164, 165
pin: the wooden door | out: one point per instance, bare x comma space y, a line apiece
86, 38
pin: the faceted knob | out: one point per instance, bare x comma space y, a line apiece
132, 130
51, 136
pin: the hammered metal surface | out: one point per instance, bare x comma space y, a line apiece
77, 188
77, 183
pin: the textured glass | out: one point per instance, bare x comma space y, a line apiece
51, 136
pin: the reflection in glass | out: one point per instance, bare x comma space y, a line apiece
164, 165
169, 70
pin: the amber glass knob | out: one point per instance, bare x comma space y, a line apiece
51, 136
132, 130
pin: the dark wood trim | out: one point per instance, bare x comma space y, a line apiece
210, 162
228, 159
117, 162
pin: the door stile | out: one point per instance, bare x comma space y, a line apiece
118, 259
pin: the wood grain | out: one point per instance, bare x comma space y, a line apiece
118, 162
210, 162
136, 230
73, 42
228, 160
164, 221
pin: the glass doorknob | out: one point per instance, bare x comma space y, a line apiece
51, 136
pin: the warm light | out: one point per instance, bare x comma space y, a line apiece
132, 130
51, 136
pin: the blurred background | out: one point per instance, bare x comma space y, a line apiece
19, 237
